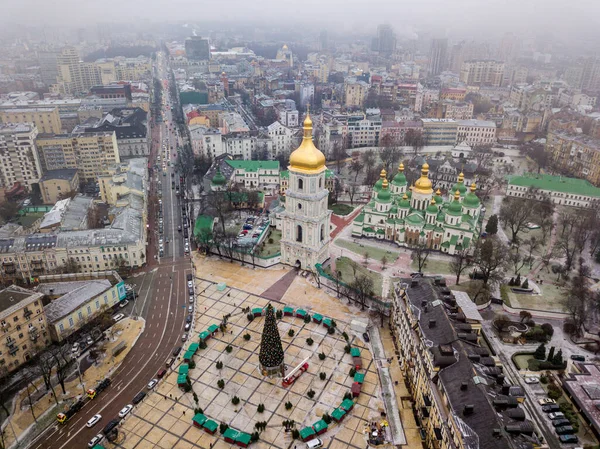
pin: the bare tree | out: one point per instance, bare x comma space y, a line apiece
363, 287
352, 191
368, 159
356, 167
517, 260
339, 154
30, 377
531, 244
579, 299
461, 261
44, 366
518, 213
420, 254
414, 139
63, 361
491, 256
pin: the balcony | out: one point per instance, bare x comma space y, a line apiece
27, 313
6, 326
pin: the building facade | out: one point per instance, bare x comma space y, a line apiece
19, 158
306, 220
56, 185
92, 153
439, 131
476, 132
482, 72
355, 93
23, 324
46, 120
576, 154
560, 190
417, 216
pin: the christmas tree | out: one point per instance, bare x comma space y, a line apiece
271, 350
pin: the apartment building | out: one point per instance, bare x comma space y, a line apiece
529, 97
241, 147
56, 185
576, 154
561, 190
355, 93
283, 138
364, 132
453, 93
92, 153
255, 175
46, 120
459, 391
476, 132
23, 325
123, 180
397, 130
77, 299
450, 109
482, 72
19, 158
439, 131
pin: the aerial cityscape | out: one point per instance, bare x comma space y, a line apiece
299, 226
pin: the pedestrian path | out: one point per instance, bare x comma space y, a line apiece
276, 291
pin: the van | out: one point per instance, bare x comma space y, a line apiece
314, 443
110, 426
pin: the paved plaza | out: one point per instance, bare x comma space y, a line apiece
164, 418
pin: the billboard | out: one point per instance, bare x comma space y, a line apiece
121, 290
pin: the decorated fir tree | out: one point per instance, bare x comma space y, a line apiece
271, 350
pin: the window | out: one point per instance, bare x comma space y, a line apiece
299, 233
80, 315
322, 232
299, 206
300, 184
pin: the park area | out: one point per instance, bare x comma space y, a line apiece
349, 269
231, 398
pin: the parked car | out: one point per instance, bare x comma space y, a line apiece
578, 357
152, 384
75, 348
184, 337
89, 340
561, 422
94, 441
366, 337
568, 439
125, 411
191, 298
189, 277
161, 373
556, 415
545, 401
188, 319
190, 309
123, 304
531, 380
176, 351
187, 327
190, 284
110, 426
118, 317
549, 408
93, 420
564, 430
138, 398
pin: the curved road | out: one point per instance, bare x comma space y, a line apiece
162, 300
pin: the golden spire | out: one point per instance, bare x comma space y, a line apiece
432, 202
473, 187
383, 174
307, 158
405, 196
411, 187
423, 184
438, 192
401, 167
461, 177
385, 183
456, 195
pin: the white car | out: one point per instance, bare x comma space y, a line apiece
93, 420
75, 348
190, 284
531, 380
152, 384
124, 303
546, 401
96, 440
125, 411
187, 326
118, 317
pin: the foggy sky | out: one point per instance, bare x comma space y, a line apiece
477, 18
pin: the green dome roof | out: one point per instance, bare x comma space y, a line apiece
379, 183
471, 200
400, 178
438, 197
404, 202
218, 179
460, 186
432, 208
455, 208
440, 217
384, 195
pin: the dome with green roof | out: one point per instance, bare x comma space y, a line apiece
432, 208
404, 202
400, 178
460, 184
218, 179
455, 207
384, 195
471, 200
379, 183
438, 197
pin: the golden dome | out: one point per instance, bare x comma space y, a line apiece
423, 184
385, 184
461, 177
285, 47
438, 192
401, 167
383, 174
456, 196
307, 158
405, 196
473, 187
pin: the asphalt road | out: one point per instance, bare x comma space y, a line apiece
161, 299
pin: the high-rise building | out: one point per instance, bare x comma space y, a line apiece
92, 153
47, 60
590, 79
385, 42
438, 57
69, 78
482, 72
323, 40
197, 48
19, 160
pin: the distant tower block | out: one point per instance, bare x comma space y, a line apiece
271, 350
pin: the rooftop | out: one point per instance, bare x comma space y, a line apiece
9, 128
556, 183
584, 388
253, 165
63, 173
13, 298
475, 122
75, 294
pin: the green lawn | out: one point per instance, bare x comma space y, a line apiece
341, 209
344, 265
271, 248
374, 252
433, 266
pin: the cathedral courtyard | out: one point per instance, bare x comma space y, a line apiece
164, 418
